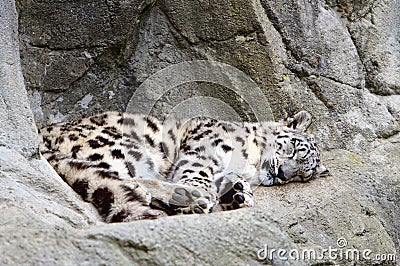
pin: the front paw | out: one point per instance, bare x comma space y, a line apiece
234, 193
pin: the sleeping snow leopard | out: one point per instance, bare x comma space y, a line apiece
133, 166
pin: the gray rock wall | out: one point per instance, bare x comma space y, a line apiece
336, 59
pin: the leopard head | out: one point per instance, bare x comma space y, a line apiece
295, 156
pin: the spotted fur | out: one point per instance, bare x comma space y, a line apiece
133, 166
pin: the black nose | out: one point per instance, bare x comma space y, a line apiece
281, 175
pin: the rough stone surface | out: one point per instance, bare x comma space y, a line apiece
17, 129
337, 59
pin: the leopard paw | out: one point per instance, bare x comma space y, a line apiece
188, 200
234, 193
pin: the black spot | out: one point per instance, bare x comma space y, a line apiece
188, 171
230, 129
79, 165
226, 148
200, 149
89, 127
94, 144
81, 187
95, 157
108, 174
203, 174
245, 154
51, 158
216, 142
134, 136
293, 124
196, 129
59, 140
306, 155
109, 132
150, 163
209, 124
216, 135
211, 170
76, 148
131, 168
181, 163
73, 137
49, 129
202, 157
282, 136
163, 149
265, 165
151, 125
120, 121
186, 148
172, 135
132, 194
104, 165
239, 139
215, 162
102, 199
197, 165
201, 135
117, 154
137, 155
111, 129
149, 140
98, 120
119, 217
105, 141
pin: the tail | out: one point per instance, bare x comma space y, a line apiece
117, 198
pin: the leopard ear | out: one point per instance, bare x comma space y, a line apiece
300, 121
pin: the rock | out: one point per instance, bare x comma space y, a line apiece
374, 31
17, 129
34, 196
336, 59
348, 207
